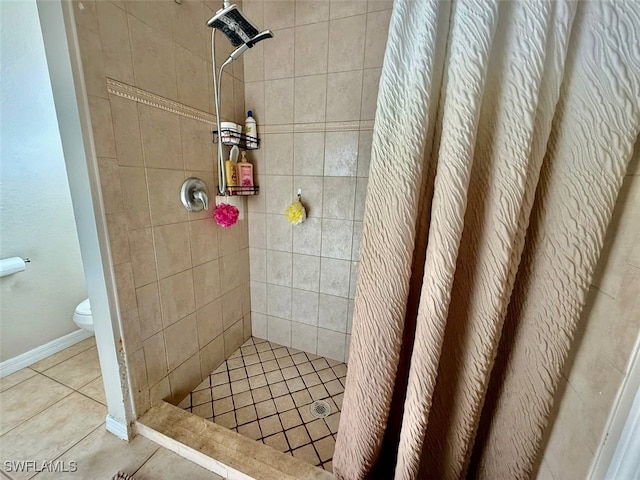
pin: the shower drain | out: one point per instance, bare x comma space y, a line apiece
320, 409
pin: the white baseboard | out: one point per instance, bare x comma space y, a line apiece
43, 351
118, 428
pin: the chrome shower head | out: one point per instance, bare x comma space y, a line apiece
237, 28
243, 48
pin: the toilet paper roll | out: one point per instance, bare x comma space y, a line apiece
11, 265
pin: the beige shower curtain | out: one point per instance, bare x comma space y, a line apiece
502, 135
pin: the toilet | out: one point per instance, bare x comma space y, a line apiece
82, 316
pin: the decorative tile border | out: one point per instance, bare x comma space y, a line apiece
351, 126
142, 96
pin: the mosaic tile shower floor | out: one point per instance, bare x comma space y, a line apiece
265, 391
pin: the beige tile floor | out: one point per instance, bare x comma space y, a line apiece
55, 410
264, 391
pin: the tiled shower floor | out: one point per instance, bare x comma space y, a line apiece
265, 391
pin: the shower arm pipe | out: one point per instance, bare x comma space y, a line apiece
222, 180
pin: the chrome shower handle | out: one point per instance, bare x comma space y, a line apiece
201, 195
193, 195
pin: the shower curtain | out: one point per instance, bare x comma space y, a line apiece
501, 138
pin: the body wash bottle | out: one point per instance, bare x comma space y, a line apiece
245, 175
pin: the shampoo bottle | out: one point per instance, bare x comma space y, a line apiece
251, 130
245, 175
230, 168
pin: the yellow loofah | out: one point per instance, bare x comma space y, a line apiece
296, 212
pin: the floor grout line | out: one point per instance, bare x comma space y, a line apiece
38, 413
30, 367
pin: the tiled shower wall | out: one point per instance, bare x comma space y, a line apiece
603, 347
313, 88
182, 282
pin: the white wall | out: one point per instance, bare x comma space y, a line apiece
36, 217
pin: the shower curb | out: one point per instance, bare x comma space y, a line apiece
220, 450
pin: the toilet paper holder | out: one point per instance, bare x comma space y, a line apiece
9, 266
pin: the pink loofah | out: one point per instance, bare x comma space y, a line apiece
226, 215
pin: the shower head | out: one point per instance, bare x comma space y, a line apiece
238, 28
243, 48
